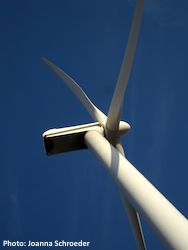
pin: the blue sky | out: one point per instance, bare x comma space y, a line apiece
71, 196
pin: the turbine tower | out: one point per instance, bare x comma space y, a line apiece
103, 138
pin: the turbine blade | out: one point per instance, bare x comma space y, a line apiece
117, 100
133, 215
96, 114
134, 220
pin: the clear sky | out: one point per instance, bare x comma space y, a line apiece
71, 196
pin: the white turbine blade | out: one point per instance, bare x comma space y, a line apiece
117, 100
133, 215
134, 220
76, 89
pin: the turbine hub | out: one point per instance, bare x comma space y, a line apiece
113, 136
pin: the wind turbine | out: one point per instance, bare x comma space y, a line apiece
103, 138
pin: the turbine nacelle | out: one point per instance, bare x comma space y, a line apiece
61, 140
67, 139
